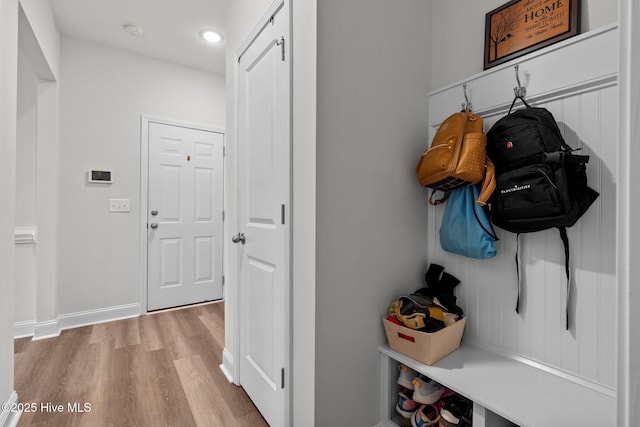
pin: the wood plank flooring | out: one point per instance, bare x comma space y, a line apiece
155, 370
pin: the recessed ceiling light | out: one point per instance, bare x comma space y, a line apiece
211, 36
134, 30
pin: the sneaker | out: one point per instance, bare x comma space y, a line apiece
426, 391
406, 376
457, 412
406, 406
426, 416
445, 396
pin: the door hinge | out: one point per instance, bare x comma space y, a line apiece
272, 20
282, 214
281, 44
224, 151
223, 279
223, 215
282, 378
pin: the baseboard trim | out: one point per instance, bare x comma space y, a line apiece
24, 328
227, 366
101, 315
10, 418
52, 328
48, 329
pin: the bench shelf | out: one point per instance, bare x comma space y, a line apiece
505, 392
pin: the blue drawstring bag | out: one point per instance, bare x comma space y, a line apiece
465, 228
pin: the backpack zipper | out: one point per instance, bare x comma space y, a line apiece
548, 179
439, 146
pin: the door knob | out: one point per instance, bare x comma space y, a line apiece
239, 238
154, 225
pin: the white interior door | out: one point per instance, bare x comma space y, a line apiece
263, 241
185, 216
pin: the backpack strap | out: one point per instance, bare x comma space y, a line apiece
562, 157
436, 202
491, 233
488, 183
514, 103
567, 270
518, 271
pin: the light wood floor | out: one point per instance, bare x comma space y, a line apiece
155, 370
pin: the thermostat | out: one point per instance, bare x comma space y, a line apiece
99, 176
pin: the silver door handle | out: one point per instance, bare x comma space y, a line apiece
239, 238
154, 225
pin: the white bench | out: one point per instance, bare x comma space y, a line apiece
503, 390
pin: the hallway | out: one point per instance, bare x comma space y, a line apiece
154, 370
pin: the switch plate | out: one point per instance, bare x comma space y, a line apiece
119, 205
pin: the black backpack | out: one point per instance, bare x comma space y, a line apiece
540, 183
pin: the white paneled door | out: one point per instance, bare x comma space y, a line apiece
264, 146
184, 222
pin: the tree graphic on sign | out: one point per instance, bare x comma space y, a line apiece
502, 24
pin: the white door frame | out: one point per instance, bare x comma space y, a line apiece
627, 206
144, 194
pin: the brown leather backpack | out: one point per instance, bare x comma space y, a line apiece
457, 157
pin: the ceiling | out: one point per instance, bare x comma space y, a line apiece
171, 27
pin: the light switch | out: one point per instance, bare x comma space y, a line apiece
119, 205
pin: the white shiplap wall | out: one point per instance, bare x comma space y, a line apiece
577, 81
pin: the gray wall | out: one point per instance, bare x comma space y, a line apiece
373, 74
458, 34
375, 63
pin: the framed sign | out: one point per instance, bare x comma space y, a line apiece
523, 26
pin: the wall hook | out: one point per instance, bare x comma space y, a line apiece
520, 91
467, 105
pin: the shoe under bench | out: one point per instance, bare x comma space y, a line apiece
504, 391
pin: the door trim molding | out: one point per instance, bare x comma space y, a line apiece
144, 193
628, 374
264, 20
10, 418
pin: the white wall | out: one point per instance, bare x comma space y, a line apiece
39, 43
103, 93
458, 34
374, 71
26, 155
8, 103
40, 16
26, 144
32, 29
